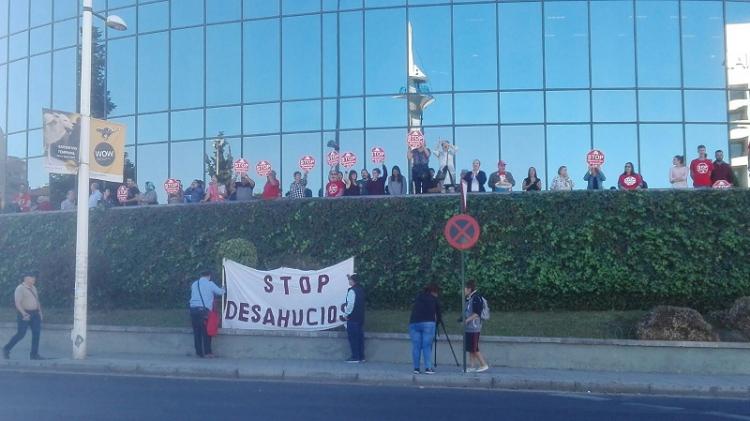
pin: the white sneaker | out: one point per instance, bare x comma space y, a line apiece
471, 370
483, 368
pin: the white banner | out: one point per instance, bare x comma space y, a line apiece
284, 298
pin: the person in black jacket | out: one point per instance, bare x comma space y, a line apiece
475, 178
376, 184
355, 319
425, 314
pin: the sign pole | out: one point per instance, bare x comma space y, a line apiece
463, 302
223, 285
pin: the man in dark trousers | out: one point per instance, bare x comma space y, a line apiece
355, 319
202, 294
29, 315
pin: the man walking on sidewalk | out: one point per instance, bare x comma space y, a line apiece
202, 294
29, 316
355, 319
473, 326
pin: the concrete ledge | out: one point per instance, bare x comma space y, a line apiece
514, 352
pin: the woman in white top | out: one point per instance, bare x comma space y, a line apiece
678, 174
446, 154
562, 181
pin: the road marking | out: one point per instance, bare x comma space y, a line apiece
730, 416
580, 396
662, 407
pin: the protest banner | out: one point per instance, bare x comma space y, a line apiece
284, 298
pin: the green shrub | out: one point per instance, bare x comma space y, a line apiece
238, 249
575, 250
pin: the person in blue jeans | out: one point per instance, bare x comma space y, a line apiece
425, 315
355, 319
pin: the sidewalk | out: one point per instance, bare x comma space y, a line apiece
394, 374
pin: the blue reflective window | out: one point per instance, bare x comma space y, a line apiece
294, 147
187, 68
41, 12
612, 44
38, 174
257, 148
521, 147
619, 142
223, 64
393, 141
153, 128
19, 15
41, 39
223, 10
713, 136
480, 142
291, 7
65, 9
658, 46
520, 45
352, 65
522, 107
224, 119
153, 17
17, 145
301, 57
568, 145
432, 44
66, 33
113, 4
186, 161
352, 113
300, 116
476, 108
121, 75
385, 111
566, 44
40, 87
3, 17
260, 8
36, 142
705, 106
660, 105
261, 118
186, 125
19, 46
65, 80
130, 16
385, 50
439, 113
667, 140
153, 70
3, 93
17, 83
150, 166
703, 44
612, 106
262, 61
568, 106
382, 3
475, 44
187, 13
333, 5
129, 123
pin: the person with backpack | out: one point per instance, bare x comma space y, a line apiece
475, 310
202, 294
425, 315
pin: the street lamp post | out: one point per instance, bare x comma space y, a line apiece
78, 334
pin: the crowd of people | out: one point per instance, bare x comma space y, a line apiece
702, 171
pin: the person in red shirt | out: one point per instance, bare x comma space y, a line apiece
22, 200
335, 186
629, 179
701, 169
272, 189
722, 170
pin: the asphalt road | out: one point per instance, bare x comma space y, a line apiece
59, 396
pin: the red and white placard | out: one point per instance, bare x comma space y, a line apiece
263, 168
595, 158
722, 184
415, 139
333, 158
122, 193
307, 163
348, 160
241, 166
377, 155
172, 186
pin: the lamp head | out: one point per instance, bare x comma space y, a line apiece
115, 22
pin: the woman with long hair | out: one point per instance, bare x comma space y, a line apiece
352, 186
629, 179
678, 174
425, 315
272, 188
532, 182
216, 192
475, 178
396, 182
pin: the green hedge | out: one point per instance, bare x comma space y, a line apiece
576, 250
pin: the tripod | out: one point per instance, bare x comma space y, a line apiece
445, 332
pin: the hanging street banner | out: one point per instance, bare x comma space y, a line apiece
284, 298
62, 135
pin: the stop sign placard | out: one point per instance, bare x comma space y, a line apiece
595, 158
306, 163
348, 160
333, 158
122, 193
241, 166
378, 155
415, 139
263, 168
172, 186
722, 184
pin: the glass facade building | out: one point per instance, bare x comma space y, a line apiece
535, 83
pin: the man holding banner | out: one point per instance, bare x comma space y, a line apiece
202, 294
355, 319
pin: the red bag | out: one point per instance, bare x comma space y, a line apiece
212, 323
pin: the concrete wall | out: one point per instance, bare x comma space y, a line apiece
555, 353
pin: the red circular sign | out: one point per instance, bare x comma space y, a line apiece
172, 186
415, 139
462, 232
122, 193
306, 163
722, 184
241, 166
595, 158
263, 168
348, 160
378, 155
333, 158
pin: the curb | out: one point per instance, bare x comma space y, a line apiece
495, 381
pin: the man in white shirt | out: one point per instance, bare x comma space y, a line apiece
95, 195
202, 293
